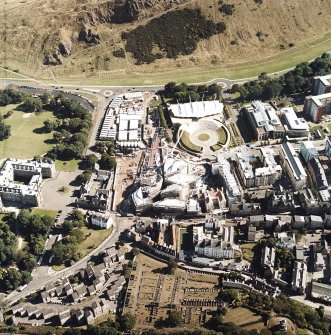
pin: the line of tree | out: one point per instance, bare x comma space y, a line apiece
297, 81
185, 93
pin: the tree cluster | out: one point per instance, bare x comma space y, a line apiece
5, 129
32, 105
106, 162
71, 128
11, 279
226, 8
124, 323
185, 93
11, 96
34, 229
66, 250
8, 244
174, 33
297, 81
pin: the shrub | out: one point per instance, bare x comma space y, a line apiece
174, 33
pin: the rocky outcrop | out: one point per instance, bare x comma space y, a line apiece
86, 35
65, 47
53, 59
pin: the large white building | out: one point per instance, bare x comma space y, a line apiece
30, 170
293, 166
294, 126
196, 109
101, 220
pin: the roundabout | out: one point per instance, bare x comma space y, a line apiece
204, 137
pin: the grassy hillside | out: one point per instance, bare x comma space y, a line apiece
268, 37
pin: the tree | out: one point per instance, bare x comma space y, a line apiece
127, 322
229, 295
90, 160
135, 251
26, 277
214, 322
45, 98
171, 266
32, 105
12, 279
84, 177
174, 319
107, 162
5, 131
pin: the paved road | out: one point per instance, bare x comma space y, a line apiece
120, 225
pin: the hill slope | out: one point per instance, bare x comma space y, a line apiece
74, 39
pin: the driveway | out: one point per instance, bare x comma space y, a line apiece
54, 199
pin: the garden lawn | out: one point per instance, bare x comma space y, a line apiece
241, 316
185, 139
47, 212
66, 166
93, 238
27, 137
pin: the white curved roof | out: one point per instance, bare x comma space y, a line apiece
197, 109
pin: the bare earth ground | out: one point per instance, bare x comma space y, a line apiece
239, 53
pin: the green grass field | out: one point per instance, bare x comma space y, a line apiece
203, 137
41, 211
27, 138
66, 166
94, 237
221, 135
185, 139
241, 316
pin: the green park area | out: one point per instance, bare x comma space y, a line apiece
28, 138
93, 238
186, 142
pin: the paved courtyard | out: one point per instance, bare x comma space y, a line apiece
54, 199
